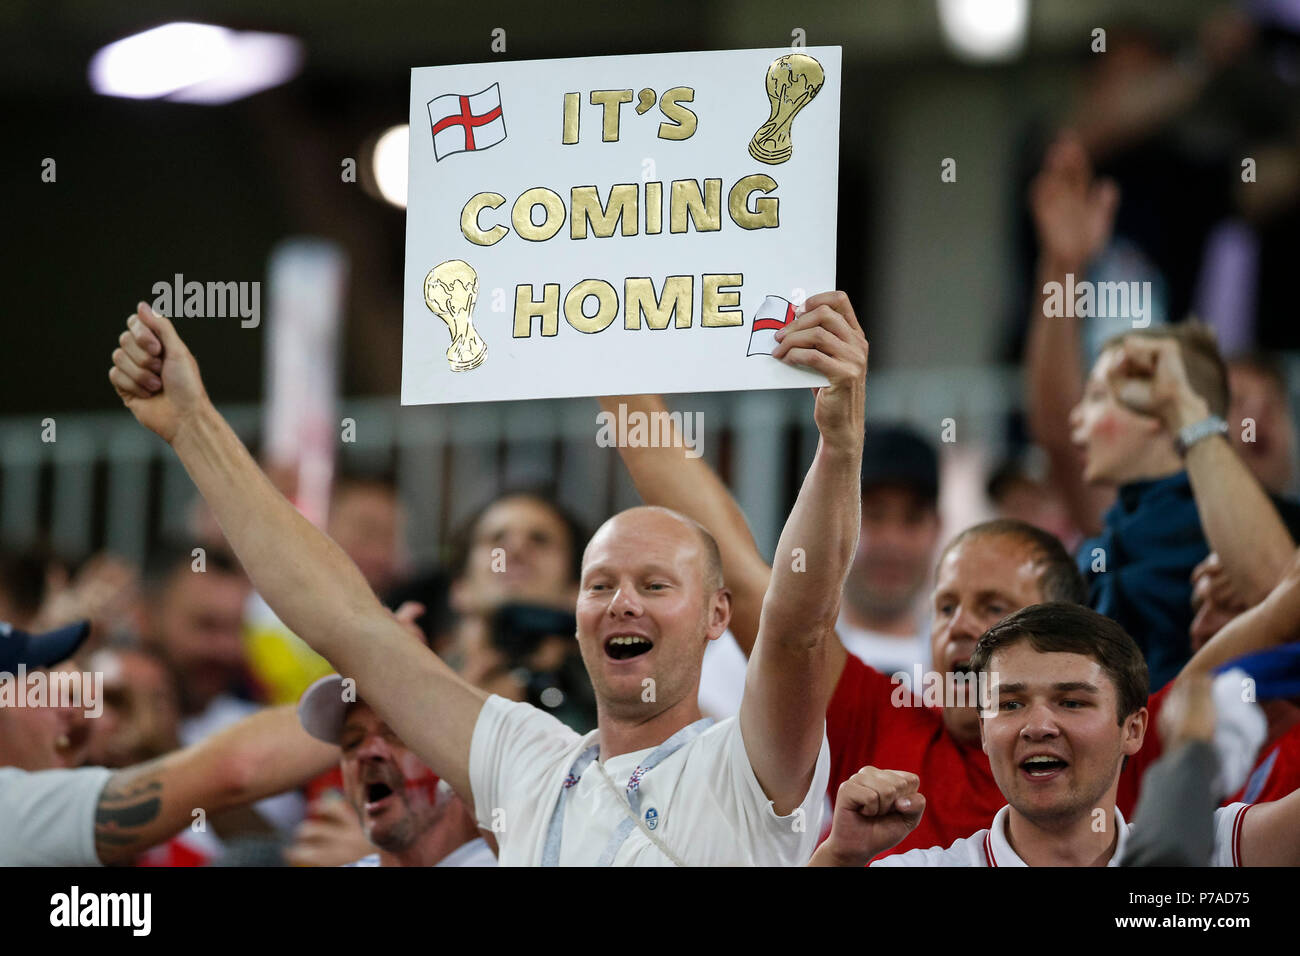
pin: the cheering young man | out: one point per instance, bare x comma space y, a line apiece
1068, 708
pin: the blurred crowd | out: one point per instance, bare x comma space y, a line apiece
185, 654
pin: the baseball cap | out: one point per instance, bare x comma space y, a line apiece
895, 454
20, 648
321, 709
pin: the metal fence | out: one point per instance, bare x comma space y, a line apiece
104, 482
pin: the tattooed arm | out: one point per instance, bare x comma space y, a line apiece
261, 755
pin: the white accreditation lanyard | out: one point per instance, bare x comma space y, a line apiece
630, 798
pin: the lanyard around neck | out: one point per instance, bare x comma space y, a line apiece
631, 796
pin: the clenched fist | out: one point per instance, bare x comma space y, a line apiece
828, 339
874, 810
1148, 376
155, 375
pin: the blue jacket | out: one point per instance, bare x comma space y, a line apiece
1152, 539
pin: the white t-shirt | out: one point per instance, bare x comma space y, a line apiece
703, 801
47, 818
474, 853
991, 848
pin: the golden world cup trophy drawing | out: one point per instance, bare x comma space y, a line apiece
792, 81
450, 291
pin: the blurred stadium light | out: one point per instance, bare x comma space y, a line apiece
985, 30
194, 63
389, 164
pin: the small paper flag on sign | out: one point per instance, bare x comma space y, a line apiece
775, 313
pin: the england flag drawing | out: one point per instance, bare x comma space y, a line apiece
465, 123
775, 313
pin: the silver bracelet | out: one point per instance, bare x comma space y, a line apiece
1189, 435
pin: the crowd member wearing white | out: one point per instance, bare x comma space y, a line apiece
1065, 709
53, 813
744, 790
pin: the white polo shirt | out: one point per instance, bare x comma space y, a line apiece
703, 801
47, 818
992, 848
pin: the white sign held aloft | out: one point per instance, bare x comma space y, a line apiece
611, 225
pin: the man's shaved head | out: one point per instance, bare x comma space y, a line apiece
652, 582
712, 557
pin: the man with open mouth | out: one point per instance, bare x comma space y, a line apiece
1069, 688
406, 812
655, 783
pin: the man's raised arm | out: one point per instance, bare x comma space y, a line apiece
782, 715
1240, 522
1074, 216
304, 576
1272, 622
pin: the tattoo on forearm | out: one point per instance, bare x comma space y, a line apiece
105, 838
125, 806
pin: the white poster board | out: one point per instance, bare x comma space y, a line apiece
610, 225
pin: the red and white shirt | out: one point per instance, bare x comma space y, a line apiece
1277, 772
991, 847
864, 727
